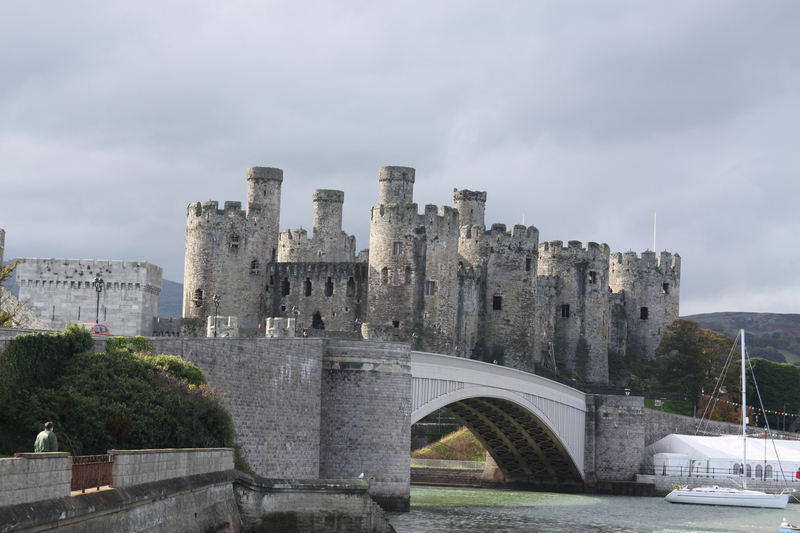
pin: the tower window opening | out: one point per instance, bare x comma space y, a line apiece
564, 310
396, 326
665, 288
234, 242
285, 287
643, 313
307, 288
397, 248
409, 277
528, 264
329, 287
396, 276
351, 287
592, 277
198, 298
384, 276
255, 267
497, 302
430, 288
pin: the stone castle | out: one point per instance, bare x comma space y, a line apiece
437, 279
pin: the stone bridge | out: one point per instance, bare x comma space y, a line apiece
534, 428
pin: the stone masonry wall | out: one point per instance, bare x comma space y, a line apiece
272, 389
366, 417
61, 292
31, 477
133, 467
615, 437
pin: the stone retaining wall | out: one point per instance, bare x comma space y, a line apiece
134, 467
30, 477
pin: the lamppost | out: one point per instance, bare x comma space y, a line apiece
98, 286
216, 299
296, 311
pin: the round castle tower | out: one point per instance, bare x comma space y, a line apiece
573, 302
227, 250
412, 265
329, 243
650, 291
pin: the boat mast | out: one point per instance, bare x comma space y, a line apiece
744, 418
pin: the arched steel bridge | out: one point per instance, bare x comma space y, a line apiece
534, 428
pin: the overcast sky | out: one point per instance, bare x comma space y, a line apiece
585, 118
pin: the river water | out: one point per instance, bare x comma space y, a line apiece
464, 510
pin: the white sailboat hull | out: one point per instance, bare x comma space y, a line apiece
729, 497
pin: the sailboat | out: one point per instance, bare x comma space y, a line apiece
716, 495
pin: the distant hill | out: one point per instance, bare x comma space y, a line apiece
773, 336
170, 301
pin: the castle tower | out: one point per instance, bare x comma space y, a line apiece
650, 290
396, 185
412, 265
471, 206
227, 250
573, 304
329, 243
508, 316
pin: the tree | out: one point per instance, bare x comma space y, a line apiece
6, 318
690, 359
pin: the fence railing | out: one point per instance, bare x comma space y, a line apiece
765, 474
91, 471
440, 463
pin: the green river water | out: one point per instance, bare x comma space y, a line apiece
446, 510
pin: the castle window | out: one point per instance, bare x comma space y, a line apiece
643, 313
198, 298
351, 287
396, 277
592, 277
234, 242
255, 267
564, 310
316, 321
409, 276
396, 326
274, 255
397, 248
307, 288
528, 264
285, 287
497, 302
384, 276
665, 288
430, 288
329, 287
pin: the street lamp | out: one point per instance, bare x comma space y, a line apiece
296, 311
98, 286
216, 299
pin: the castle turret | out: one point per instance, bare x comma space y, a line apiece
471, 206
650, 291
227, 250
329, 243
573, 302
396, 185
412, 265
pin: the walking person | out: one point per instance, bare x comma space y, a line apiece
46, 440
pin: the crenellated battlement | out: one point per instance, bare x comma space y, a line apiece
574, 250
209, 210
649, 260
519, 237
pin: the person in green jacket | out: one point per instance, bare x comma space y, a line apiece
46, 441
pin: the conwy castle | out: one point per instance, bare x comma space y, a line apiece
438, 280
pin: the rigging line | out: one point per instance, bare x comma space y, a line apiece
718, 385
766, 419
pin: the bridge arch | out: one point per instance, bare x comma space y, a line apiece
534, 428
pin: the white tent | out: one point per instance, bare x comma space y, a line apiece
723, 455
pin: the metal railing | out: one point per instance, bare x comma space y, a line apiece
91, 471
439, 463
764, 474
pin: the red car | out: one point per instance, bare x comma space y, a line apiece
95, 329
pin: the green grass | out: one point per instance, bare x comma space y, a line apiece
676, 407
